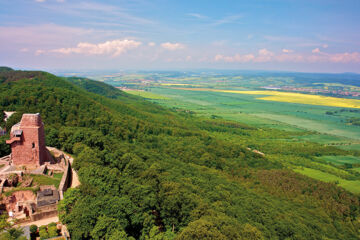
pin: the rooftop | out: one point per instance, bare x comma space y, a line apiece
31, 120
47, 197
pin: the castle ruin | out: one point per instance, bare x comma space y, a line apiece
27, 140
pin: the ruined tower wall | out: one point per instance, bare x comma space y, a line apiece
30, 149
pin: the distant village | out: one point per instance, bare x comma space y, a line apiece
26, 195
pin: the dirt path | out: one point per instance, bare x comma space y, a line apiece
41, 222
75, 179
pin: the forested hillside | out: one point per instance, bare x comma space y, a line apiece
153, 173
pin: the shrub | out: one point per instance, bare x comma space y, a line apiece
43, 234
52, 231
42, 228
33, 228
52, 224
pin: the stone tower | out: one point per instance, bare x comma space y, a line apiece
27, 140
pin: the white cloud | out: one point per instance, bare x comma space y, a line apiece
24, 50
288, 57
265, 52
40, 1
325, 46
287, 50
114, 48
264, 55
316, 50
345, 57
39, 52
235, 58
151, 44
172, 46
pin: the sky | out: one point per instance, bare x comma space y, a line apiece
285, 35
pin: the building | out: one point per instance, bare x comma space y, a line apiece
27, 140
47, 197
46, 204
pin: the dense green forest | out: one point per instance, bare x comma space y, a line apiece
153, 173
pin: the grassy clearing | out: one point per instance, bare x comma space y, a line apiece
325, 139
147, 95
294, 98
17, 189
352, 186
341, 159
319, 125
180, 84
46, 180
353, 146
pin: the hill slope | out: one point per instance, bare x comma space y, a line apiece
151, 173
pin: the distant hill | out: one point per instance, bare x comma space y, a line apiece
96, 87
5, 69
310, 78
148, 172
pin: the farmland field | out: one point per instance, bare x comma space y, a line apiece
352, 186
342, 159
261, 113
292, 97
293, 116
147, 95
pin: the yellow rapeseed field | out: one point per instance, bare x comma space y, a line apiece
294, 98
179, 84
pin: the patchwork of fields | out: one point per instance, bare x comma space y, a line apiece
312, 118
262, 113
292, 97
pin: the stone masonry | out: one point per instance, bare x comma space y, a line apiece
27, 140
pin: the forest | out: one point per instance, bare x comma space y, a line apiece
149, 172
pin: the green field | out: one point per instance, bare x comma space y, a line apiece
47, 180
351, 146
342, 159
352, 186
262, 113
238, 98
147, 95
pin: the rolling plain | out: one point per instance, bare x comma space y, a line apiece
258, 100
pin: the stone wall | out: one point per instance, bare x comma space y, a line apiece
65, 180
42, 215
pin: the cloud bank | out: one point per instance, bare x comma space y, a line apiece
265, 55
114, 48
172, 46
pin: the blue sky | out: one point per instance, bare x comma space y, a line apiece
290, 35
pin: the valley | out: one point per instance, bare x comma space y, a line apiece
172, 161
305, 117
